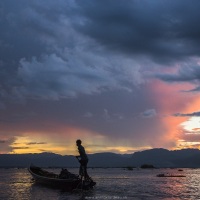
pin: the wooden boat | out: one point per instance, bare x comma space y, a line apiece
170, 175
64, 180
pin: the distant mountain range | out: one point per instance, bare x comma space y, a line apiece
157, 157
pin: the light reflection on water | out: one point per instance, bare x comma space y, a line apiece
16, 184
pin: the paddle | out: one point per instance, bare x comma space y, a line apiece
77, 157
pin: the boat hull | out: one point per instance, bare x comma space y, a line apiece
49, 179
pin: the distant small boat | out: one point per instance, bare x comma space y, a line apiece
170, 175
64, 180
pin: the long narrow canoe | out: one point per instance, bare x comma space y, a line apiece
69, 181
170, 175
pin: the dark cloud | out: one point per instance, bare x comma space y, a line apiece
35, 143
164, 30
197, 89
91, 60
149, 113
47, 58
58, 51
55, 78
16, 148
184, 74
194, 114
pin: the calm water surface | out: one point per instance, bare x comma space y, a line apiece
16, 184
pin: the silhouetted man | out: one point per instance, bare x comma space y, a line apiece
83, 159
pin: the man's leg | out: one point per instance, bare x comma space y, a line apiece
85, 170
80, 170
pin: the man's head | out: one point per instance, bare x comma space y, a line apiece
78, 142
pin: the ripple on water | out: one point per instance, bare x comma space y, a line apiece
117, 183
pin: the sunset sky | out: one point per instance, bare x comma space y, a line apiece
122, 76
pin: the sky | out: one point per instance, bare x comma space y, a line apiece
122, 76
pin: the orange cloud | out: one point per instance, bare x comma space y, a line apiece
170, 99
60, 141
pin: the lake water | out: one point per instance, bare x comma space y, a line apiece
112, 184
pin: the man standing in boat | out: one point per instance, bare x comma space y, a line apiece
83, 159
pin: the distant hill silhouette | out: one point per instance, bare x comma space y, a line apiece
166, 158
156, 157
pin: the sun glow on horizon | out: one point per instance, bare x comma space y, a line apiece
24, 145
192, 124
27, 144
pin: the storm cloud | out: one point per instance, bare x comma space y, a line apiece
162, 30
184, 74
194, 114
91, 66
81, 47
48, 58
